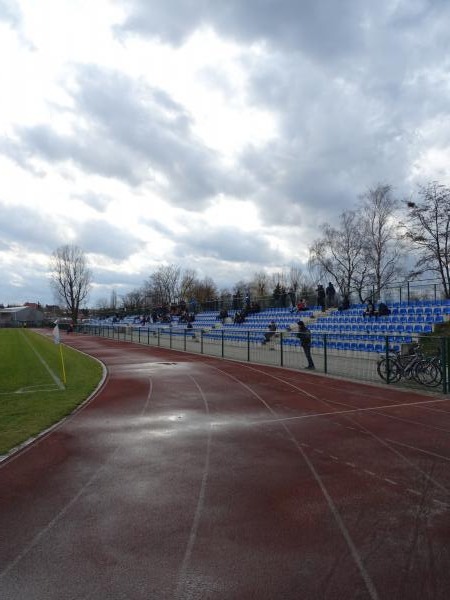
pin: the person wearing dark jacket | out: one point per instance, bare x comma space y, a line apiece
331, 294
383, 310
304, 336
321, 297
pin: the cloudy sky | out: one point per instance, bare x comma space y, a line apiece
213, 134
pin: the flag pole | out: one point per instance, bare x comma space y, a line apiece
57, 340
62, 364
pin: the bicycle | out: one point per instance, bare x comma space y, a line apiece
397, 366
429, 371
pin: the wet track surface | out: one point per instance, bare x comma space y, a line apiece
192, 477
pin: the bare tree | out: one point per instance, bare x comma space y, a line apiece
70, 278
205, 290
427, 229
187, 285
164, 284
260, 284
134, 300
339, 254
383, 247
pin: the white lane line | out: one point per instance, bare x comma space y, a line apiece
443, 504
353, 411
52, 374
200, 503
370, 586
434, 454
34, 542
390, 481
415, 492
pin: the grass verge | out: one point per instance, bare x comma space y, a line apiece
32, 397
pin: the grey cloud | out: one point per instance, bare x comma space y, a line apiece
114, 279
98, 202
317, 26
29, 228
29, 284
226, 244
133, 131
90, 151
100, 237
20, 154
158, 226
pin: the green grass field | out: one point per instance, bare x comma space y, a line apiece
32, 395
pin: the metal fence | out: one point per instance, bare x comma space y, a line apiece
389, 361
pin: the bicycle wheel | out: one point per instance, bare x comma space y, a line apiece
389, 368
428, 373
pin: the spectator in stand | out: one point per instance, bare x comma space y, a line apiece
304, 336
330, 294
321, 297
369, 310
383, 310
255, 308
239, 318
301, 306
269, 334
223, 315
247, 300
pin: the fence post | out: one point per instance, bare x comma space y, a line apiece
325, 358
408, 291
170, 337
201, 341
139, 335
281, 350
435, 292
388, 364
185, 336
159, 336
446, 365
223, 343
148, 336
444, 354
248, 345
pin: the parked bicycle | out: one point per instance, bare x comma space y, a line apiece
429, 371
413, 366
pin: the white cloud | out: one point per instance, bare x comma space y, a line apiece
214, 135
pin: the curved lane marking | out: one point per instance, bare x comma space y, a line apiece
200, 502
35, 541
370, 586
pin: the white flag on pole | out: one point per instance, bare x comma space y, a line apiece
56, 337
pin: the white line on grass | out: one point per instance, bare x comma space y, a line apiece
52, 374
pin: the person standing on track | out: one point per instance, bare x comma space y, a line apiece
304, 336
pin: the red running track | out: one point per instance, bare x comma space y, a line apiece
194, 477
